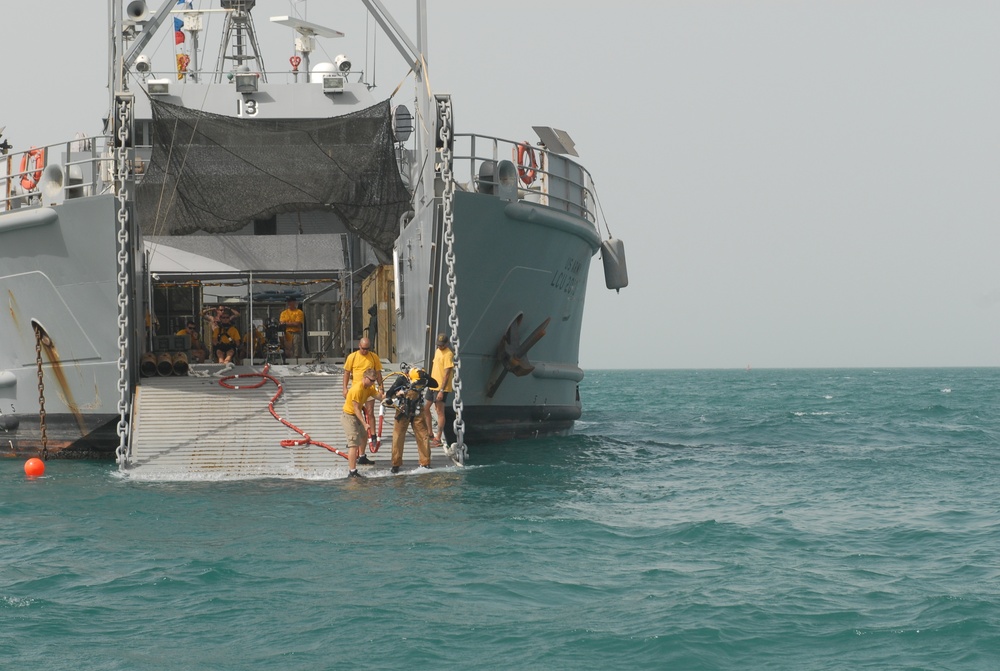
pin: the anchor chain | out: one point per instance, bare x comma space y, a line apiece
121, 141
448, 219
41, 392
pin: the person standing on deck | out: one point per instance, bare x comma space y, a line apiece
292, 319
442, 371
356, 426
354, 367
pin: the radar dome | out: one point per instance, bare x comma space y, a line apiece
320, 69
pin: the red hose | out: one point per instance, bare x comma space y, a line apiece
297, 442
374, 441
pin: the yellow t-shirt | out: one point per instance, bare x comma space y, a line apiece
229, 336
259, 339
443, 360
195, 340
357, 363
360, 393
295, 315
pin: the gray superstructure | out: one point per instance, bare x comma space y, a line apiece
243, 187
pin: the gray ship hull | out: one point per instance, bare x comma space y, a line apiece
90, 436
519, 259
59, 271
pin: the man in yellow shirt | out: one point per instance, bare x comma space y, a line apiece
292, 318
359, 361
357, 427
441, 371
355, 365
197, 348
227, 339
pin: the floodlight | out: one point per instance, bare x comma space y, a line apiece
246, 82
333, 84
158, 87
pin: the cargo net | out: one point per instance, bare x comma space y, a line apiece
216, 174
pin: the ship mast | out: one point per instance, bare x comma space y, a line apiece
137, 16
416, 56
239, 30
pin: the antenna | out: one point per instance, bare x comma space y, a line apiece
305, 43
555, 140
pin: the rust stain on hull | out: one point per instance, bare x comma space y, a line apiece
52, 354
12, 307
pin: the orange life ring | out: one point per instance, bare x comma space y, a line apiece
526, 170
30, 181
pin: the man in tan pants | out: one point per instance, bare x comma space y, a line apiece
409, 402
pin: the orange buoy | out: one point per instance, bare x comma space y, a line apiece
34, 467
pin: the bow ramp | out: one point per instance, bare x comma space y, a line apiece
191, 427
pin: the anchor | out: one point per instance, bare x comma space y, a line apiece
512, 354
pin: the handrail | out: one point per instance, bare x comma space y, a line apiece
208, 77
80, 158
562, 183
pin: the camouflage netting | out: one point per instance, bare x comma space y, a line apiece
216, 174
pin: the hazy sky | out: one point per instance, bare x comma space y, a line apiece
797, 182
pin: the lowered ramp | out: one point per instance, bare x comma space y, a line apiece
191, 427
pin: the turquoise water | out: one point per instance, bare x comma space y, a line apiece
770, 519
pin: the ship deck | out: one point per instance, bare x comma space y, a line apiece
192, 427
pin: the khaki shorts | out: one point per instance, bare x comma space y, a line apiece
355, 430
432, 395
293, 344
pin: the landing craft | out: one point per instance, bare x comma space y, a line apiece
240, 185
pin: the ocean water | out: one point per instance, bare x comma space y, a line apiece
764, 519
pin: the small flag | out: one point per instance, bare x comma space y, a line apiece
179, 22
183, 60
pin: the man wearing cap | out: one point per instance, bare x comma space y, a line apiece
441, 371
292, 319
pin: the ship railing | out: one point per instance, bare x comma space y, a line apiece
51, 174
173, 78
542, 176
